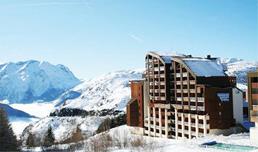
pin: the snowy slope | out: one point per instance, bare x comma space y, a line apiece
239, 68
63, 127
121, 139
25, 82
110, 91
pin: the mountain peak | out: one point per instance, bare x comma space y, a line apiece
28, 81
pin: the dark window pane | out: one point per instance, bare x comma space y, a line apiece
255, 79
254, 91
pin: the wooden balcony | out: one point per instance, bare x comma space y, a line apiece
255, 108
156, 69
193, 108
254, 85
162, 75
185, 91
185, 74
178, 82
255, 96
200, 99
163, 98
185, 82
162, 90
179, 99
162, 83
192, 82
192, 90
200, 108
254, 118
192, 99
186, 99
178, 75
178, 90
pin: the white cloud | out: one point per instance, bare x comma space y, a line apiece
136, 38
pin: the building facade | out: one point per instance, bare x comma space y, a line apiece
134, 108
253, 104
187, 97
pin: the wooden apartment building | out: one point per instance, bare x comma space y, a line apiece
185, 96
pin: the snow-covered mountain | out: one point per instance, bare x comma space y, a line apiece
28, 81
11, 112
239, 68
110, 91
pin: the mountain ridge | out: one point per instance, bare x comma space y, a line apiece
29, 81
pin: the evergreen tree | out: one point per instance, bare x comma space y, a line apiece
8, 141
49, 139
30, 142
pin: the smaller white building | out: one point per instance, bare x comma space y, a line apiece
254, 134
238, 105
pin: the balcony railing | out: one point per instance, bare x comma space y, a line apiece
193, 108
162, 68
192, 90
178, 90
200, 99
162, 75
185, 74
255, 108
178, 82
179, 99
162, 98
201, 108
192, 82
192, 99
185, 82
178, 75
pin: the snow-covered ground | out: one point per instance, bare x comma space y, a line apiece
18, 124
121, 139
185, 145
63, 127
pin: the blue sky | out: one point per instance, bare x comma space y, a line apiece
93, 37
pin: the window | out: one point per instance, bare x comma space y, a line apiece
254, 79
254, 91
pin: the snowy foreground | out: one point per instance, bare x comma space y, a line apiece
121, 139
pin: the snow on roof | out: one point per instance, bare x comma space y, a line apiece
167, 56
204, 67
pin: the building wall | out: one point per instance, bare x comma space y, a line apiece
253, 105
238, 105
219, 106
159, 110
146, 98
137, 94
132, 113
253, 96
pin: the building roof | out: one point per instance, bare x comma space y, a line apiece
204, 67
